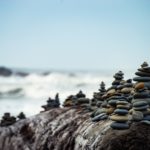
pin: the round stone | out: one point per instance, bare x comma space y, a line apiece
141, 79
121, 111
137, 116
141, 108
119, 126
144, 69
140, 103
119, 118
139, 85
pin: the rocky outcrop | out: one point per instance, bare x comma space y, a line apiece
71, 129
5, 72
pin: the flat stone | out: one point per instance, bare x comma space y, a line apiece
119, 118
146, 122
100, 117
140, 103
141, 79
122, 102
137, 116
141, 95
143, 74
112, 102
123, 107
141, 108
144, 69
110, 110
111, 92
126, 90
119, 126
121, 111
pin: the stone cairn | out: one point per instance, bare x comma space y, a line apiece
21, 116
120, 115
77, 100
110, 98
97, 96
52, 103
7, 120
141, 101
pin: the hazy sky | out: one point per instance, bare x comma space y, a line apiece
74, 34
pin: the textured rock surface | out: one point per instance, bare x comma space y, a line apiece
71, 129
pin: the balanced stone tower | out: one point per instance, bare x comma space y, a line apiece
120, 116
141, 96
7, 120
97, 96
52, 103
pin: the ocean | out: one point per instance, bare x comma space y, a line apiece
29, 93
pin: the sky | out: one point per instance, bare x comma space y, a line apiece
74, 34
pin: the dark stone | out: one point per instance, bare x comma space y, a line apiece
52, 103
5, 72
147, 118
144, 70
141, 108
80, 94
142, 95
7, 120
140, 103
112, 102
21, 116
137, 116
121, 111
119, 126
143, 74
141, 79
99, 117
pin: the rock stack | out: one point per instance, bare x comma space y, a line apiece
7, 120
97, 96
141, 96
69, 101
76, 100
120, 116
81, 100
52, 103
21, 116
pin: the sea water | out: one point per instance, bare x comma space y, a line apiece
28, 93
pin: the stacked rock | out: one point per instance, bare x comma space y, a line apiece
125, 89
7, 120
97, 96
21, 116
52, 103
120, 116
81, 100
113, 95
109, 98
76, 100
141, 96
69, 101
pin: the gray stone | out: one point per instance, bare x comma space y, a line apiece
137, 116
